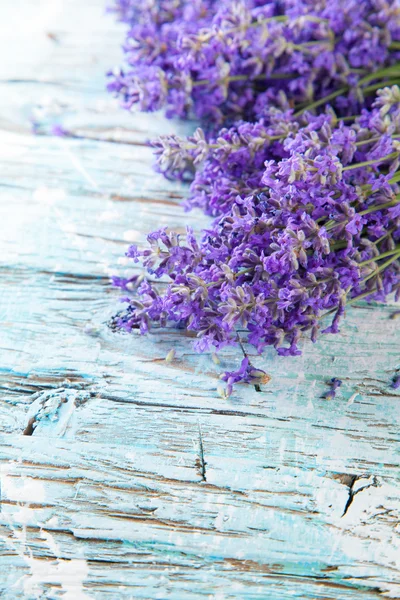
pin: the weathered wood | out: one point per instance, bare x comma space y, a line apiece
122, 475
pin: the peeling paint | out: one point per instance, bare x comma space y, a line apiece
138, 481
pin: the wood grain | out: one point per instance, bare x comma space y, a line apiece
122, 475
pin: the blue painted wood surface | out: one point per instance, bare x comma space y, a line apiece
134, 478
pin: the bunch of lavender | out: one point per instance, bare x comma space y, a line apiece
231, 163
313, 229
215, 60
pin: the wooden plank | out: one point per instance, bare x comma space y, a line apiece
126, 476
155, 507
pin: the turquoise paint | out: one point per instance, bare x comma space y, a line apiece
107, 500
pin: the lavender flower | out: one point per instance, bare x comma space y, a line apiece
245, 374
396, 382
59, 131
335, 383
305, 197
128, 284
277, 261
217, 60
231, 163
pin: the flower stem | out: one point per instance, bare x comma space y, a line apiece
233, 78
324, 100
349, 118
395, 178
377, 207
367, 163
375, 139
361, 296
394, 70
380, 256
376, 86
331, 224
385, 236
382, 267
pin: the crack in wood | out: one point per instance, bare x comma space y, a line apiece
352, 480
30, 427
200, 462
191, 409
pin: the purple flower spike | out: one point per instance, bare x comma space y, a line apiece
228, 60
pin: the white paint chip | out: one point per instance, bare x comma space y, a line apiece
131, 235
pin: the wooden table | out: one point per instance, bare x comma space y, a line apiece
123, 475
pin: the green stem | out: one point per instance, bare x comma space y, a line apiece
369, 292
350, 118
380, 84
332, 224
233, 78
394, 46
395, 178
386, 72
382, 267
377, 207
317, 103
380, 256
394, 71
361, 296
338, 246
367, 163
378, 241
375, 139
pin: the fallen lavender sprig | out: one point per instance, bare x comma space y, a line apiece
245, 374
396, 382
224, 60
335, 384
319, 231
